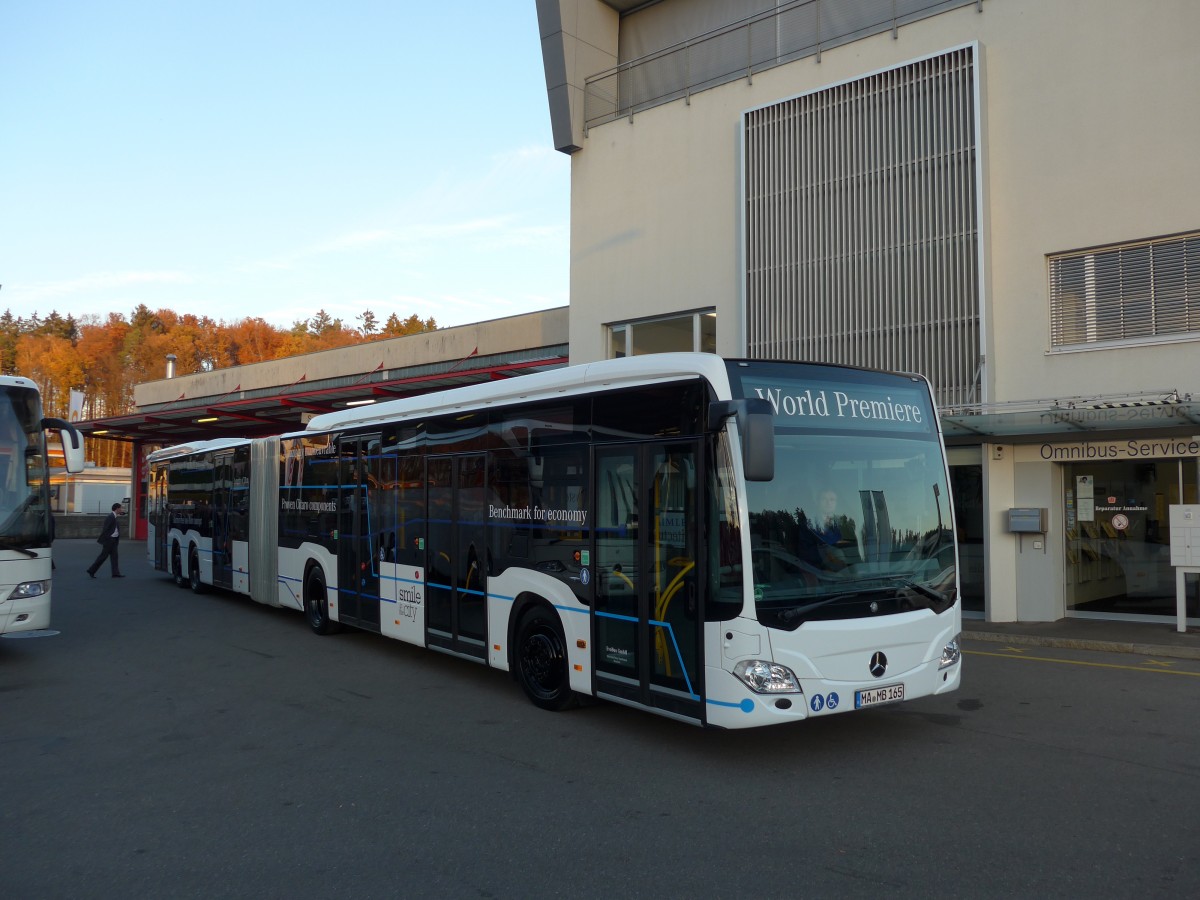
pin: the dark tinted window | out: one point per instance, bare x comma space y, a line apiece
655, 411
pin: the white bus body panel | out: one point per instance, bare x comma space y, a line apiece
24, 613
292, 564
402, 611
204, 556
188, 541
831, 660
503, 591
241, 567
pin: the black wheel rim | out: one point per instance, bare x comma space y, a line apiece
543, 662
316, 610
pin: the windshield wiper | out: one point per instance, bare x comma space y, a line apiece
925, 591
9, 544
792, 613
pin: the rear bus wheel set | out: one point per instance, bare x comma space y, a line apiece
194, 581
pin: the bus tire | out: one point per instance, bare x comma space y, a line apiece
177, 566
541, 661
194, 581
316, 603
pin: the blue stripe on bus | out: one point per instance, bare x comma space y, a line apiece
284, 581
746, 706
674, 643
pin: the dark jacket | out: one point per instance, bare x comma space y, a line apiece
110, 525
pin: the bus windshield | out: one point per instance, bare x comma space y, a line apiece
857, 521
23, 510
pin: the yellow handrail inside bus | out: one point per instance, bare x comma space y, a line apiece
617, 573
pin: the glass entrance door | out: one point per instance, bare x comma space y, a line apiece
647, 633
1118, 539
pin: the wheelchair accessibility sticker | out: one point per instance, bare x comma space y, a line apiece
824, 701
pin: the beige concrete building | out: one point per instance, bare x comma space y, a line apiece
997, 193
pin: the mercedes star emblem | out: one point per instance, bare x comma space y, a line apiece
878, 664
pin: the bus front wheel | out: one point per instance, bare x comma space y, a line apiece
541, 657
316, 603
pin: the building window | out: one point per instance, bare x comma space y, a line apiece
689, 331
1130, 293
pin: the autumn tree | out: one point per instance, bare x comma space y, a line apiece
105, 358
255, 340
107, 388
369, 323
414, 324
50, 360
9, 332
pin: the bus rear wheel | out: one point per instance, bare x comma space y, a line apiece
177, 566
316, 603
194, 581
541, 658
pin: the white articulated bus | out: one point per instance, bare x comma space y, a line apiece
727, 542
25, 523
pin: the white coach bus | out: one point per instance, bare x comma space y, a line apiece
26, 527
730, 543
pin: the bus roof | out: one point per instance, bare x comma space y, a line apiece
195, 447
581, 379
17, 381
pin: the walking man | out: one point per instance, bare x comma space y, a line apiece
109, 540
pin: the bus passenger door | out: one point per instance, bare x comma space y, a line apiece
646, 643
160, 521
222, 542
455, 580
358, 569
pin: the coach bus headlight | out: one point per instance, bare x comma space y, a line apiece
765, 677
29, 589
950, 654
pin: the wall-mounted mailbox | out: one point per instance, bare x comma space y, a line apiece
1027, 520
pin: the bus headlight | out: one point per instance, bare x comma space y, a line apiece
950, 655
765, 677
29, 589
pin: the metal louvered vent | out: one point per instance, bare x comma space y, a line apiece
1132, 293
861, 225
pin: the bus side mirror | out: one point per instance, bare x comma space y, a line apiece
756, 425
72, 443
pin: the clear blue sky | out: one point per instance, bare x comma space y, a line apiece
268, 158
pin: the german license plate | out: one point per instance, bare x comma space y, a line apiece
887, 694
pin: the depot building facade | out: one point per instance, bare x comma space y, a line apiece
998, 194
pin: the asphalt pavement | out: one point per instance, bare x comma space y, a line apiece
1145, 638
161, 744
